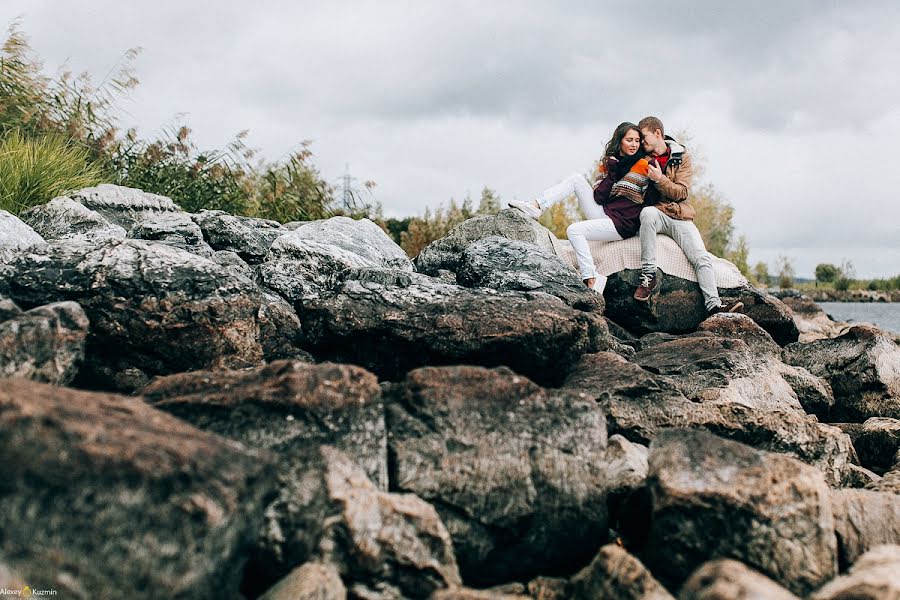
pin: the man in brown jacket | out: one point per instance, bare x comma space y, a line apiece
667, 211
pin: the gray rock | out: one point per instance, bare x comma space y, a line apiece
44, 344
677, 307
175, 229
393, 329
875, 576
64, 219
248, 237
15, 237
284, 406
309, 581
153, 309
726, 579
516, 472
863, 368
511, 265
639, 404
360, 237
124, 206
864, 519
714, 498
280, 330
233, 262
616, 575
509, 223
105, 497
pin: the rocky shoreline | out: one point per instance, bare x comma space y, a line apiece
211, 406
822, 295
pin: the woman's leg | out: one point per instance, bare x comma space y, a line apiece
573, 184
600, 230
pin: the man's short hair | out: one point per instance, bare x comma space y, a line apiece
651, 123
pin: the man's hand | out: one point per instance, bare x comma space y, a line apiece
654, 172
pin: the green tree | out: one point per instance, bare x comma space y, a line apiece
785, 272
845, 276
739, 254
490, 202
826, 272
761, 273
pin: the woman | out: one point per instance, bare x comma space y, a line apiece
612, 205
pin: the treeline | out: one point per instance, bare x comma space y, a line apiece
827, 276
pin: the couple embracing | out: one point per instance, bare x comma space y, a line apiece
641, 188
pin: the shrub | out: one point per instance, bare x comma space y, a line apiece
33, 171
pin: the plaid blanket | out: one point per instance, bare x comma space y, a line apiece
612, 257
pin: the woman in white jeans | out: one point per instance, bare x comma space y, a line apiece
612, 204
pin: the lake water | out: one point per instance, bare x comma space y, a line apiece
883, 314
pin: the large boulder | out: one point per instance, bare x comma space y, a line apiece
445, 253
309, 581
714, 498
124, 206
516, 472
639, 404
864, 519
726, 579
105, 497
361, 237
383, 545
15, 237
393, 329
174, 229
43, 344
503, 264
248, 237
875, 576
153, 309
876, 441
863, 368
284, 406
812, 321
64, 219
677, 306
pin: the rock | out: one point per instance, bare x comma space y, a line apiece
625, 466
174, 229
44, 344
875, 576
248, 237
639, 404
811, 320
876, 442
106, 497
864, 519
383, 545
515, 471
511, 265
310, 581
863, 368
124, 206
741, 327
616, 575
285, 406
508, 223
233, 263
64, 219
15, 237
280, 330
726, 579
678, 307
890, 483
153, 309
461, 593
391, 330
360, 237
714, 498
860, 477
814, 393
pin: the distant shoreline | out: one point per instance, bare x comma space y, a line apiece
821, 295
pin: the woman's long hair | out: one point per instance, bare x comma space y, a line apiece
614, 145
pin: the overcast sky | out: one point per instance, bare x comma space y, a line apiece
794, 105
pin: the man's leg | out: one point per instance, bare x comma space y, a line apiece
579, 233
687, 236
652, 222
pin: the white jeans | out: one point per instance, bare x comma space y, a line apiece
598, 227
687, 236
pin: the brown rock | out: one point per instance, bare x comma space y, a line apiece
741, 327
516, 472
864, 519
310, 581
811, 320
104, 495
460, 593
44, 344
726, 579
616, 575
875, 576
713, 498
548, 588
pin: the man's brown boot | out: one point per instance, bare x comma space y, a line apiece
645, 290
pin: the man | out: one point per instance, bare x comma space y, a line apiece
667, 211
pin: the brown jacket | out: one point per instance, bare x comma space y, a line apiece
670, 193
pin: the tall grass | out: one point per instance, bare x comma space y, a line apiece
35, 170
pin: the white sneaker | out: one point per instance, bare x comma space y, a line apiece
526, 207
